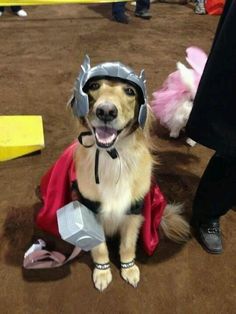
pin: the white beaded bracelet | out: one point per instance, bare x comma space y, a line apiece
102, 266
127, 265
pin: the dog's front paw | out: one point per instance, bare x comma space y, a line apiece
102, 278
131, 275
174, 134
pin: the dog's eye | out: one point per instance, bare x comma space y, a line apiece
129, 91
94, 85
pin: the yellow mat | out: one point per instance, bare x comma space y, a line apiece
47, 2
20, 135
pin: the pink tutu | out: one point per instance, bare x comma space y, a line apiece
175, 89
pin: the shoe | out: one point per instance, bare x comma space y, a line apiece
1, 13
199, 9
146, 15
21, 13
209, 236
121, 18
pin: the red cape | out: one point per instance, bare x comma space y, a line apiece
56, 192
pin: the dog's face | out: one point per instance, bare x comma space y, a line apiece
112, 108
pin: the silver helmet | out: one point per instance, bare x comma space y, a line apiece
109, 70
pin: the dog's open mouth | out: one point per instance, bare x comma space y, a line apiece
105, 136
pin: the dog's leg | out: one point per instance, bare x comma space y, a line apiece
174, 132
101, 277
129, 233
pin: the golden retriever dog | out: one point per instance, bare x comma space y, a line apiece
123, 181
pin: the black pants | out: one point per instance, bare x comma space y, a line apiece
13, 8
216, 193
118, 8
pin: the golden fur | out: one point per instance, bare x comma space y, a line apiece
123, 180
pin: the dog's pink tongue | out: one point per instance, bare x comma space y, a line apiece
105, 135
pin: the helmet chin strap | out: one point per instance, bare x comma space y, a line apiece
113, 153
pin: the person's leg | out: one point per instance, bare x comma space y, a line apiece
142, 5
15, 9
118, 12
217, 189
142, 9
214, 197
19, 11
1, 11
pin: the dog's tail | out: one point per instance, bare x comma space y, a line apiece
173, 225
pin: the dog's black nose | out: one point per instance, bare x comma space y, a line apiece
106, 112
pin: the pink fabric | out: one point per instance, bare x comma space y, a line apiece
166, 99
37, 257
196, 58
174, 91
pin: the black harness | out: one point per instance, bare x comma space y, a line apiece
135, 208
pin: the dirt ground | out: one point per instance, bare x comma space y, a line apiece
40, 58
